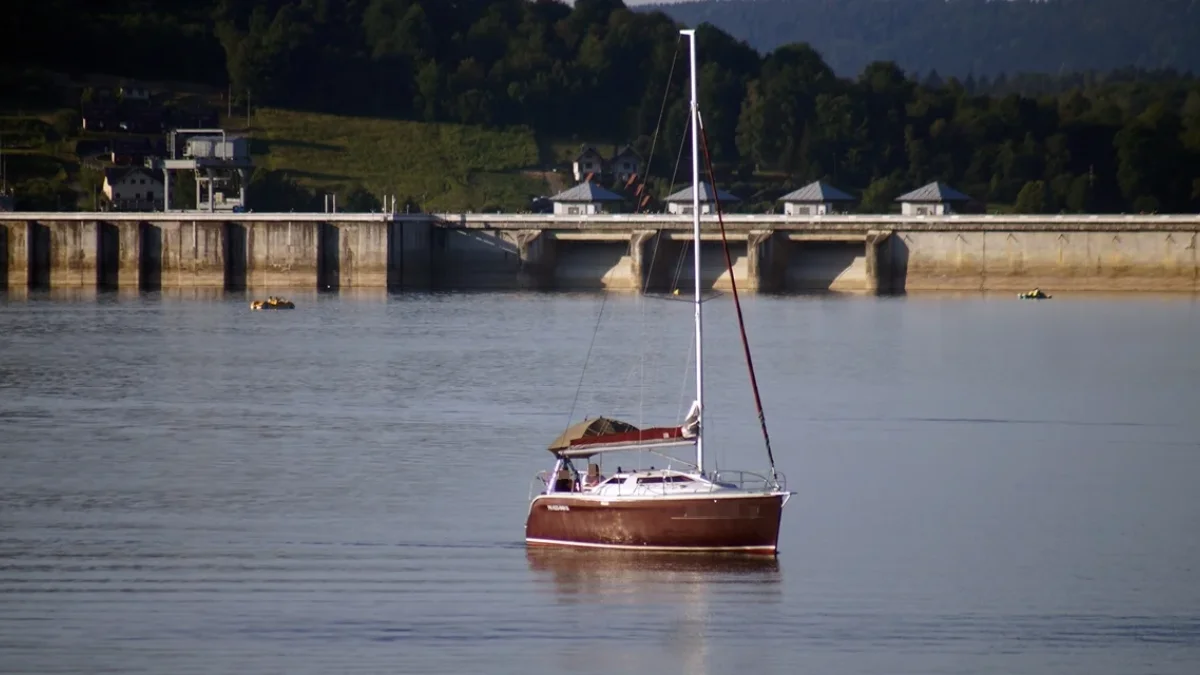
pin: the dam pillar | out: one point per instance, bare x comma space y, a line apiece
362, 254
643, 245
70, 252
658, 262
128, 259
767, 261
191, 253
536, 256
14, 254
278, 255
878, 272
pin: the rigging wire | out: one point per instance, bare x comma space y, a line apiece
586, 359
682, 259
640, 196
658, 125
762, 419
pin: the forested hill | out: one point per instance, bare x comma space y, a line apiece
961, 37
596, 72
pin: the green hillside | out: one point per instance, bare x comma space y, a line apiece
444, 167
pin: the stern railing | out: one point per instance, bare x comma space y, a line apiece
750, 481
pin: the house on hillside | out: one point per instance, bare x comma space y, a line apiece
814, 199
625, 164
133, 189
588, 163
681, 202
934, 199
586, 199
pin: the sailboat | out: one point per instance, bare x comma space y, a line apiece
677, 509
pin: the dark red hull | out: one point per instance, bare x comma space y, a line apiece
747, 524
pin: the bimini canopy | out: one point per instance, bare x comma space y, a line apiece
604, 434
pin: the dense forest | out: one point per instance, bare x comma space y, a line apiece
965, 37
598, 71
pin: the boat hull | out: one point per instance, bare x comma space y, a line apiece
741, 523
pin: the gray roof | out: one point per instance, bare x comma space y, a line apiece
114, 174
586, 150
626, 150
817, 192
706, 195
936, 191
587, 192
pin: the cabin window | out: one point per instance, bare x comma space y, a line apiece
654, 480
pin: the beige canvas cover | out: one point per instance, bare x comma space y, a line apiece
599, 426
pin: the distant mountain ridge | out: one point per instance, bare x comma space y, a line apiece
962, 37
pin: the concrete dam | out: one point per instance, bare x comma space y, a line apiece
769, 253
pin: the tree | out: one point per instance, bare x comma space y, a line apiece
880, 196
1031, 198
359, 200
1079, 199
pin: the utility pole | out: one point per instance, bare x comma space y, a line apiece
247, 108
229, 101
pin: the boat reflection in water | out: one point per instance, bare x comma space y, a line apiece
615, 573
673, 592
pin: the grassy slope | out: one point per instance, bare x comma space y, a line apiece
451, 167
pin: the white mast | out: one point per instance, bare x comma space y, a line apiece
695, 124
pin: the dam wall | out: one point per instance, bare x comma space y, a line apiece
1065, 260
769, 253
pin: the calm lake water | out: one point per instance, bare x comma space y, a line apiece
984, 485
